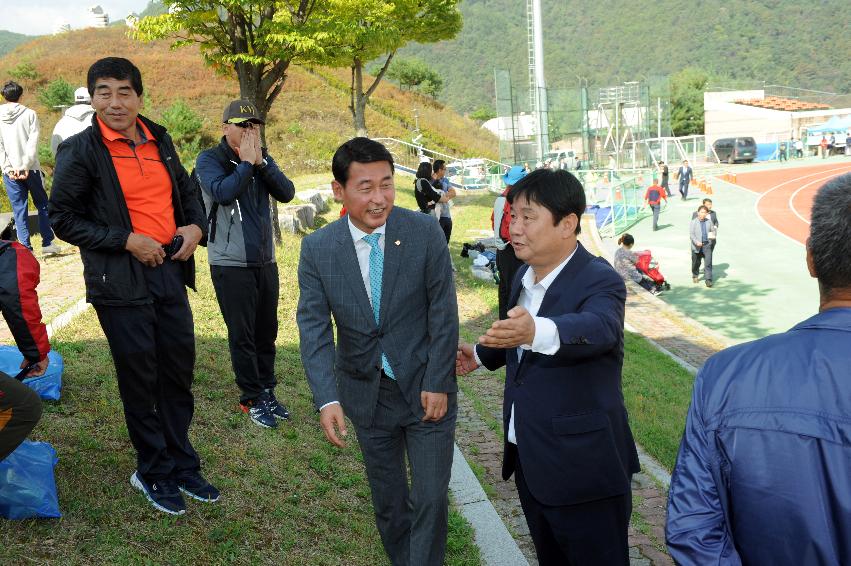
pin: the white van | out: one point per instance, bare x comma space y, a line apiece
556, 156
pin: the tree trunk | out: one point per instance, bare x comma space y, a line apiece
358, 99
262, 90
357, 104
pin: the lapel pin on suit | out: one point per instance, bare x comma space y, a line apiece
397, 242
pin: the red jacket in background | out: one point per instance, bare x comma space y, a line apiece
655, 194
506, 218
19, 276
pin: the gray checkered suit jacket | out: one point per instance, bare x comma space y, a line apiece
418, 330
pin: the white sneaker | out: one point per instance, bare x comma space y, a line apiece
52, 249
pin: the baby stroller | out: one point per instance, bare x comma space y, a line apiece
650, 267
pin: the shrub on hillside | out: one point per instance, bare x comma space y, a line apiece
24, 72
57, 95
186, 128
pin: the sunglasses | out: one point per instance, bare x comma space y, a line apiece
246, 124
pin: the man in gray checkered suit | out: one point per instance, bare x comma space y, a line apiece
385, 276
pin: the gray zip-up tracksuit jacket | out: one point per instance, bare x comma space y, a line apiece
242, 234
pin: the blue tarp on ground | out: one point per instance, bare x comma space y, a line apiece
603, 214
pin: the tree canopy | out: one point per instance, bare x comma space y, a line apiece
687, 88
367, 29
257, 41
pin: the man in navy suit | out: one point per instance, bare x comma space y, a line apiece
567, 436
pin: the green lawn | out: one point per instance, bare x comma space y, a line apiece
289, 497
657, 392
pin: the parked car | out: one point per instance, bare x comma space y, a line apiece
568, 155
732, 150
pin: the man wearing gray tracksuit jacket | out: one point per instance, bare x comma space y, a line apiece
236, 178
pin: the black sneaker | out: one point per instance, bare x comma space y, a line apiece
163, 494
259, 411
195, 486
276, 408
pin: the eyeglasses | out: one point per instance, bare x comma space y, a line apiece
245, 124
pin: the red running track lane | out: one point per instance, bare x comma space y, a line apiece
786, 195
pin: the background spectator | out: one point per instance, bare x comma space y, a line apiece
625, 260
19, 131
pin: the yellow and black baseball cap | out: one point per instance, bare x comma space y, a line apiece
241, 111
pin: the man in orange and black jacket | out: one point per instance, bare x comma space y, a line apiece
20, 406
121, 195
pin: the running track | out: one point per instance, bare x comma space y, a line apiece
786, 195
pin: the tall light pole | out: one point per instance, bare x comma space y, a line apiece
540, 86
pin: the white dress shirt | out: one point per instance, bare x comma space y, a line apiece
363, 249
547, 340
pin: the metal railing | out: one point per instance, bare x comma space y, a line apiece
464, 173
616, 197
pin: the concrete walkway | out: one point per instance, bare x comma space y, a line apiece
761, 281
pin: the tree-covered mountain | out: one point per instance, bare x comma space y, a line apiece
9, 40
306, 124
788, 42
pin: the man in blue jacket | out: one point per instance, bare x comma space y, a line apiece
237, 177
567, 436
764, 470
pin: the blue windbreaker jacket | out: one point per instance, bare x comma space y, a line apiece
764, 470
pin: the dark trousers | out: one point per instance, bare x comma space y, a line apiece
684, 189
664, 185
19, 191
20, 409
705, 253
446, 224
412, 521
592, 533
655, 208
153, 348
248, 299
507, 265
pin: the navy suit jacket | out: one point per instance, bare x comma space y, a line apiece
573, 437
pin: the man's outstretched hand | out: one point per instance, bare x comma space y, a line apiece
465, 360
332, 419
514, 331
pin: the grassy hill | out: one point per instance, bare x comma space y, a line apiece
308, 122
9, 40
786, 42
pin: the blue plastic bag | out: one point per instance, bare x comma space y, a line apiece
49, 385
27, 487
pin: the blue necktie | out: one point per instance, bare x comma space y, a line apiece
376, 272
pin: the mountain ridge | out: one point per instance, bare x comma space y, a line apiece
758, 42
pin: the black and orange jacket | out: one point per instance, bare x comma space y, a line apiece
87, 209
19, 276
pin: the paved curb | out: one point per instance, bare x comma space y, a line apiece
497, 546
62, 320
653, 468
681, 362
